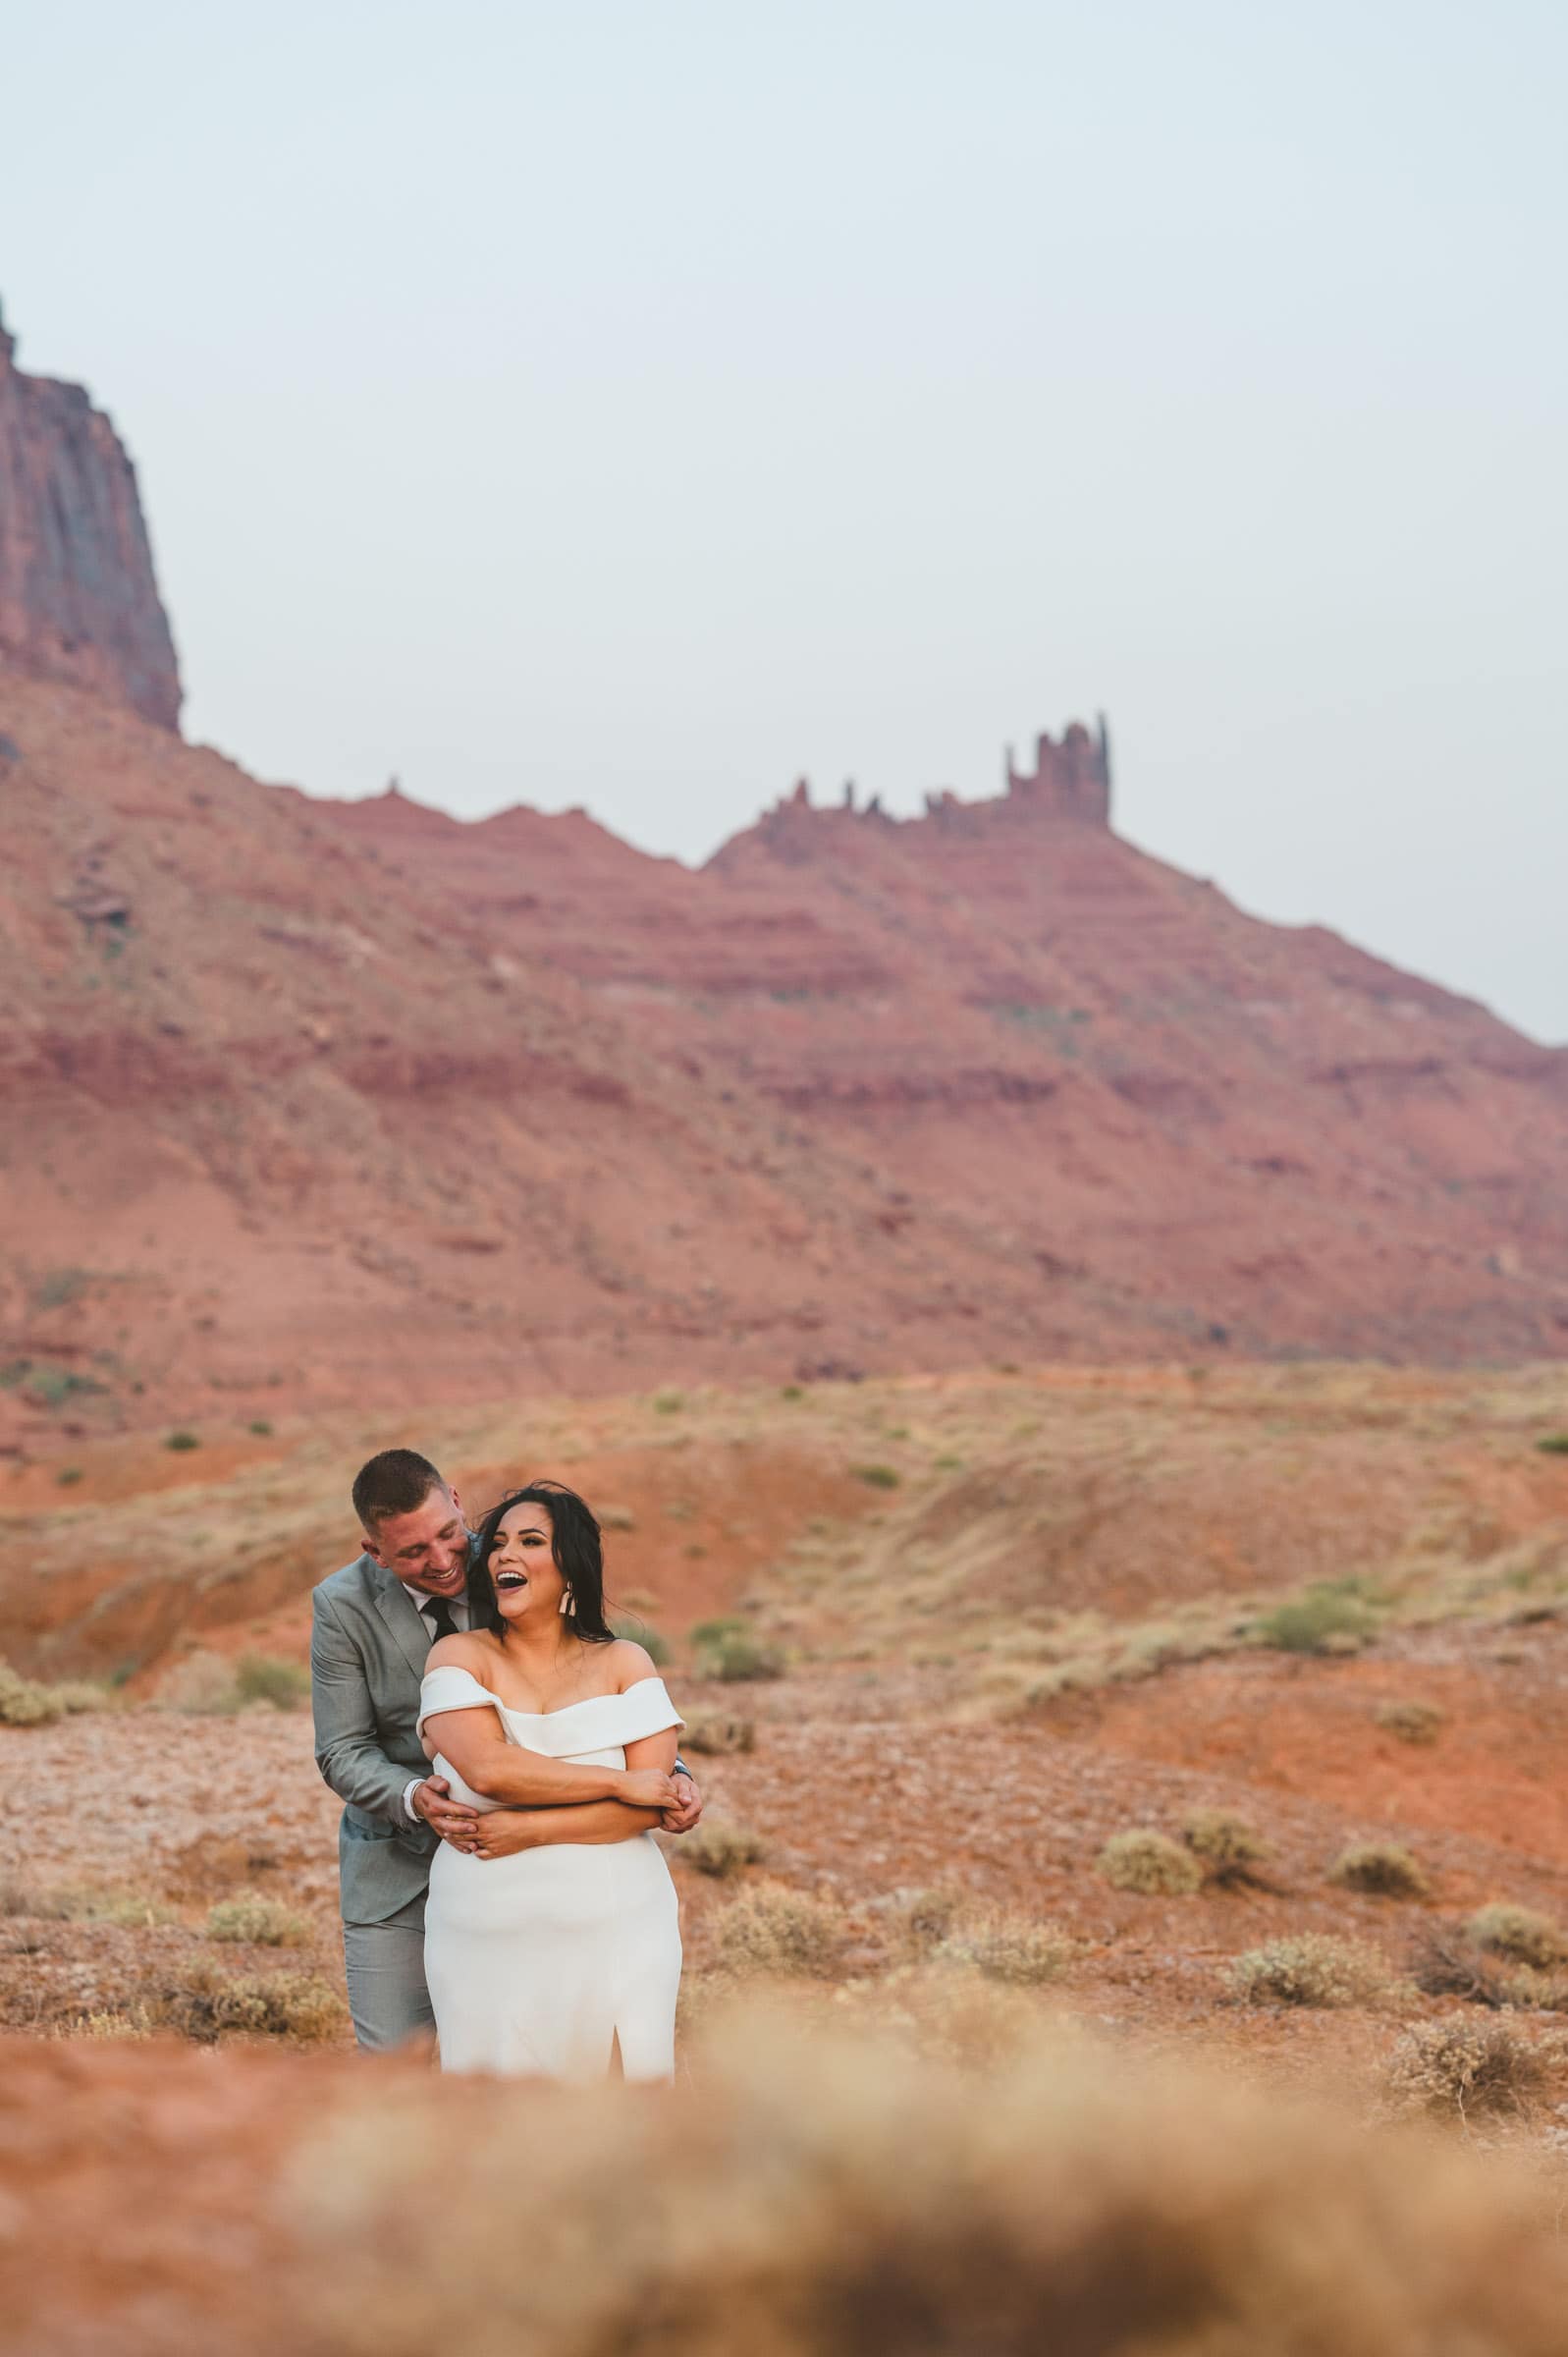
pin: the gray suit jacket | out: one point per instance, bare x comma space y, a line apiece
367, 1654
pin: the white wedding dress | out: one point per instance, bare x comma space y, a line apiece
537, 1963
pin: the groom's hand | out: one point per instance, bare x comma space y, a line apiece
686, 1807
452, 1818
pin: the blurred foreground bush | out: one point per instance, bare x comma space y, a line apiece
826, 2197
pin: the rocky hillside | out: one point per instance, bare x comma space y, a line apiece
1091, 1072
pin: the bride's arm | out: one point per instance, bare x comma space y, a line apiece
472, 1742
500, 1833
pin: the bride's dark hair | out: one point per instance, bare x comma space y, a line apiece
577, 1549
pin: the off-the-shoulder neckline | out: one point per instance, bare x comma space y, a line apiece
621, 1695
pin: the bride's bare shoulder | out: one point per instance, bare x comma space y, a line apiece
631, 1663
472, 1650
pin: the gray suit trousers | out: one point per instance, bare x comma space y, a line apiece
384, 1964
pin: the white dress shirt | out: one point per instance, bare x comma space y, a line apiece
457, 1607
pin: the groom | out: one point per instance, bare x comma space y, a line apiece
374, 1622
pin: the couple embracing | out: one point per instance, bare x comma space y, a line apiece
503, 1757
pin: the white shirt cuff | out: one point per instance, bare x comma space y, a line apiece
409, 1791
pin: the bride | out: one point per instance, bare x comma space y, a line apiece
549, 1961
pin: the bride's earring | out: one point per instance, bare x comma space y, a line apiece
569, 1604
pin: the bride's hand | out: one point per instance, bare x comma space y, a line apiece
647, 1788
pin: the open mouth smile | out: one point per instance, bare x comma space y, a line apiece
511, 1580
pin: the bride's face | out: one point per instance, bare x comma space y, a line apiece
522, 1565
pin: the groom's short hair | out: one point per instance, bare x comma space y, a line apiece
397, 1482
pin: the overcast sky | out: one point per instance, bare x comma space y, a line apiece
639, 402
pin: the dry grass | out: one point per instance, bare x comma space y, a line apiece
1471, 2067
1519, 1933
828, 2197
1150, 1863
106, 2025
258, 1922
773, 1930
718, 1848
1311, 1968
1380, 1870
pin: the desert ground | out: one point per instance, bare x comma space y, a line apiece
1096, 1724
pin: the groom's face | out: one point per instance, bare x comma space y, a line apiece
428, 1548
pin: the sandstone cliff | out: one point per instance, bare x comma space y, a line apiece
78, 598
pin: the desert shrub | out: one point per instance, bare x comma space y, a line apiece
879, 1477
1447, 1963
721, 1849
1410, 1722
182, 1441
1150, 1862
727, 1651
774, 1930
1309, 1968
260, 1427
1225, 1844
718, 1732
26, 1702
792, 1390
1011, 1948
258, 1922
68, 1476
1381, 1868
1519, 1933
668, 1403
1536, 1992
1553, 1444
616, 1517
742, 1660
206, 2005
824, 2197
263, 1678
1325, 1620
1467, 2066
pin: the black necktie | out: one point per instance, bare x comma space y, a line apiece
438, 1615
